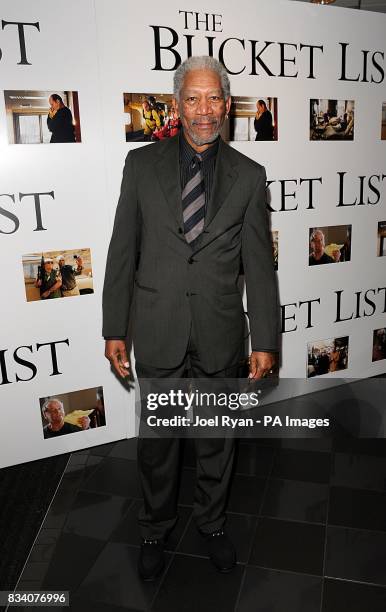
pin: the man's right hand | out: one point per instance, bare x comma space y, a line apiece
115, 352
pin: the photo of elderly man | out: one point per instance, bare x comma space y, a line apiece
53, 413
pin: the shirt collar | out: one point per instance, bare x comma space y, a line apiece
187, 152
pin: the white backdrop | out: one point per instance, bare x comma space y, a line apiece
101, 50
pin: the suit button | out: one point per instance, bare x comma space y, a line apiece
180, 231
190, 260
187, 294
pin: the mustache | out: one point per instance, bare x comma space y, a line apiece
201, 121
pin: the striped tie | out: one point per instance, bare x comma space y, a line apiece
193, 202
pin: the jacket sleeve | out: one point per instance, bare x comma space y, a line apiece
259, 273
118, 286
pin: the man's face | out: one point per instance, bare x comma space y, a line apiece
201, 106
61, 263
54, 103
48, 266
317, 243
54, 413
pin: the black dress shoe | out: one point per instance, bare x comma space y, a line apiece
151, 559
221, 551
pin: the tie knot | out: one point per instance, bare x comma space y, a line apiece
196, 161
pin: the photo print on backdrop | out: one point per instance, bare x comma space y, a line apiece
150, 117
331, 119
327, 356
331, 244
379, 344
252, 118
38, 117
381, 239
72, 412
57, 274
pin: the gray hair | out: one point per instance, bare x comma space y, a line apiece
317, 231
49, 401
201, 62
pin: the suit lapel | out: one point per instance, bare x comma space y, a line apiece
224, 178
168, 173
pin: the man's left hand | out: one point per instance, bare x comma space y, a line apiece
260, 364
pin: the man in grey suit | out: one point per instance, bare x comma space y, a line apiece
178, 244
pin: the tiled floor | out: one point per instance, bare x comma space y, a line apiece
308, 518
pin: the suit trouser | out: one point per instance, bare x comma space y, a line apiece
159, 459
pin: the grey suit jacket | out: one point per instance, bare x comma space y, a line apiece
173, 285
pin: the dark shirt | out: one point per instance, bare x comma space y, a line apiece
68, 278
61, 126
66, 429
208, 164
325, 259
48, 281
264, 127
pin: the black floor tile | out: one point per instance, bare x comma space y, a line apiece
273, 591
246, 494
239, 528
127, 532
254, 459
125, 449
39, 559
102, 449
95, 515
359, 471
287, 545
273, 443
35, 572
78, 472
323, 445
341, 595
84, 605
361, 446
77, 461
115, 476
354, 554
302, 465
299, 501
113, 579
63, 500
71, 560
26, 491
192, 584
44, 545
360, 508
28, 585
